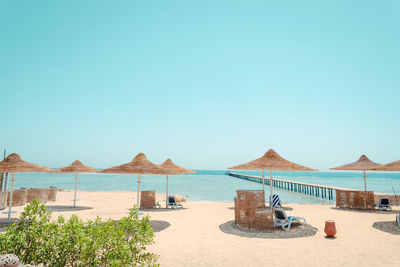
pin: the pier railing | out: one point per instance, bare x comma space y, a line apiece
320, 191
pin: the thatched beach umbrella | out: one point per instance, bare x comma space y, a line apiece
168, 164
13, 163
77, 167
271, 161
390, 167
139, 165
362, 164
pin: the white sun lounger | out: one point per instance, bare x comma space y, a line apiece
284, 221
173, 203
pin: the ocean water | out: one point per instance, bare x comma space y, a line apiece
209, 185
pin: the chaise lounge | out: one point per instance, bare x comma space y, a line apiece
284, 221
173, 203
384, 204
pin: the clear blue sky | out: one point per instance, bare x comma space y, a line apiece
210, 84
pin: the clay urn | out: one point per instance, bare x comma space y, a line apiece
330, 228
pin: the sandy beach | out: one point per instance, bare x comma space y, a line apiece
194, 237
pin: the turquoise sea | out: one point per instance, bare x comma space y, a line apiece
212, 185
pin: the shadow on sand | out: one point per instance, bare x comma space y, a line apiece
161, 210
285, 208
60, 208
368, 211
296, 230
387, 227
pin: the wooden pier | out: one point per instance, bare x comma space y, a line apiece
316, 190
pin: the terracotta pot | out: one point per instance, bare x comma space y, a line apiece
330, 228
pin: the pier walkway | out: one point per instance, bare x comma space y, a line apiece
316, 190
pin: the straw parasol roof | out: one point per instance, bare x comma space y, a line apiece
14, 163
168, 164
364, 163
139, 165
76, 167
393, 166
272, 161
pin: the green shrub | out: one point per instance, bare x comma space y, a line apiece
36, 239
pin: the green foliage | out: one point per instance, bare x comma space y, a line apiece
36, 239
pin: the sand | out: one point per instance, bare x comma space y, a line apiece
193, 237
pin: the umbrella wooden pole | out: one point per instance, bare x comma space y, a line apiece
270, 189
2, 177
166, 195
138, 192
4, 183
11, 198
365, 181
263, 180
76, 185
365, 188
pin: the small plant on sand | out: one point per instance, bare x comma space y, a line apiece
36, 239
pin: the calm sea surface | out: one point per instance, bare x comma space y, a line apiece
209, 185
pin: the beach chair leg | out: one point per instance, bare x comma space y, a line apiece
286, 226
